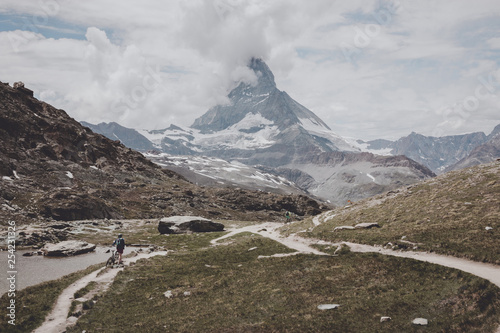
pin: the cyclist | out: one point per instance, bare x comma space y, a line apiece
120, 245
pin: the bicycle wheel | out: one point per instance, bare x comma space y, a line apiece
110, 262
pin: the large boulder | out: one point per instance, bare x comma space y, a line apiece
67, 248
187, 224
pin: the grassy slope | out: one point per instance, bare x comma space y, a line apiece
447, 215
232, 290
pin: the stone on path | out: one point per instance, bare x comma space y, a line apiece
384, 319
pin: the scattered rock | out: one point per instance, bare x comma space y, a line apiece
251, 249
344, 227
366, 225
384, 319
488, 228
61, 225
186, 224
168, 294
187, 293
67, 248
420, 321
328, 306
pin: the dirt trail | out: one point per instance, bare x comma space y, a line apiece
268, 230
57, 320
489, 272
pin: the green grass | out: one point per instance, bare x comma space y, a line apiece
446, 215
232, 290
85, 290
35, 302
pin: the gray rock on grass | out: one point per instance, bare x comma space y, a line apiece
67, 248
420, 321
366, 225
187, 224
328, 306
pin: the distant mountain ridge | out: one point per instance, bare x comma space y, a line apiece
440, 154
487, 152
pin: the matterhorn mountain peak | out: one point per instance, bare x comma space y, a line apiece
263, 72
263, 100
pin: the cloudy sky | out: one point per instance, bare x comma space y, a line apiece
369, 69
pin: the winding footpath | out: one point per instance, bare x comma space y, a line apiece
57, 320
486, 271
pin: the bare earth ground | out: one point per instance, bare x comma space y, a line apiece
57, 320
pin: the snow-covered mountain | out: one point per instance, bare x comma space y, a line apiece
259, 125
260, 115
264, 127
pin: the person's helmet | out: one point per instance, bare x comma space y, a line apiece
119, 235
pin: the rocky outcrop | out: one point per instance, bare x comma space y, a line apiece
187, 224
67, 248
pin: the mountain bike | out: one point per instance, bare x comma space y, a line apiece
113, 259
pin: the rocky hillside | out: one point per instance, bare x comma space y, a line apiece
346, 176
51, 167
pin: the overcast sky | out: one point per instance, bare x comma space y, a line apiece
369, 69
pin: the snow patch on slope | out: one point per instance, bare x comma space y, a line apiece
319, 130
363, 147
252, 132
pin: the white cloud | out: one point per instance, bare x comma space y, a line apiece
160, 62
494, 43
